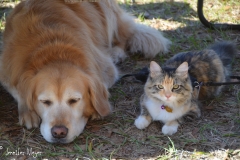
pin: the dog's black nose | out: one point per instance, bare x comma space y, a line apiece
59, 131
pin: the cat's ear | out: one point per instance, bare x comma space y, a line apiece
155, 69
182, 70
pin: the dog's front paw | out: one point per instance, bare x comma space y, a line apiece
29, 118
142, 122
169, 129
117, 54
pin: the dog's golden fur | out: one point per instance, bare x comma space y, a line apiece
59, 60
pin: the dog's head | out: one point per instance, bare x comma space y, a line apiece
65, 97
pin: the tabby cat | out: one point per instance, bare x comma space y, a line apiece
169, 93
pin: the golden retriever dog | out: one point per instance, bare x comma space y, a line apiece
59, 59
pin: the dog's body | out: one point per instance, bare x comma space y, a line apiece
58, 61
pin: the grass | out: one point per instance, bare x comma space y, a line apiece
216, 135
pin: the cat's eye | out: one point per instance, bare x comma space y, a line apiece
160, 87
175, 86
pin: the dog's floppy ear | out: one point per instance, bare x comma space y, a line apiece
99, 96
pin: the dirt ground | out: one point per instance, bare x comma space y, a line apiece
215, 135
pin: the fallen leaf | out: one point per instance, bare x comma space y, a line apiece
195, 131
209, 107
90, 146
227, 7
109, 134
95, 128
63, 158
11, 129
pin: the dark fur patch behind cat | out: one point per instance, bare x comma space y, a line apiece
226, 51
209, 65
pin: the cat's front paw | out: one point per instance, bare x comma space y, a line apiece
169, 129
142, 122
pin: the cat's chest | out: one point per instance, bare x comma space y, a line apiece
158, 112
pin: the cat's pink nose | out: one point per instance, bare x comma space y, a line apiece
168, 96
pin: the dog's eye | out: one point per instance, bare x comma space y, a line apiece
73, 101
46, 102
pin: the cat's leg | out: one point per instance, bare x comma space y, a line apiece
170, 127
195, 108
144, 119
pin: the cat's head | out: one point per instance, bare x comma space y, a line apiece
170, 85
